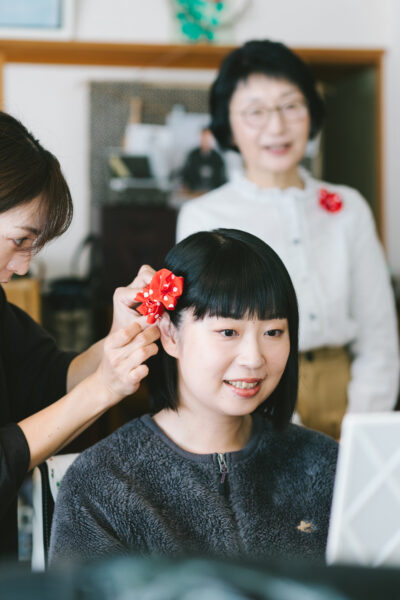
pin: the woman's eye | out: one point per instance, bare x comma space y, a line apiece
20, 241
293, 108
253, 112
274, 332
228, 332
25, 244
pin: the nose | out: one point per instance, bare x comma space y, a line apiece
19, 263
250, 353
276, 122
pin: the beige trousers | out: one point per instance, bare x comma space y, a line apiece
324, 375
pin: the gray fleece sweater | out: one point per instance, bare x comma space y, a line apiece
137, 491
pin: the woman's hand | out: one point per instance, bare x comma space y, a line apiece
122, 367
96, 384
99, 377
125, 315
124, 301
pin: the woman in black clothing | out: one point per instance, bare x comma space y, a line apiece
47, 397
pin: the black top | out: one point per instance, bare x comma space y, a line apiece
203, 171
32, 375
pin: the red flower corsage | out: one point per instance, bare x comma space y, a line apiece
329, 201
161, 293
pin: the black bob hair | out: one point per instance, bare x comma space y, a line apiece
230, 273
29, 171
265, 57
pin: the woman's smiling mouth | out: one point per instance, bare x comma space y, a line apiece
244, 387
277, 148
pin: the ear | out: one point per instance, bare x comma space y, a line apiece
168, 335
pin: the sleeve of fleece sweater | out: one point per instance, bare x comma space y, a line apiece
85, 517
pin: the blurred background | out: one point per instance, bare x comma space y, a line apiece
118, 90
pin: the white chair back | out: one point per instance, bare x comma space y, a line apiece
46, 479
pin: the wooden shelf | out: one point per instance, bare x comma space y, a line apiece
184, 56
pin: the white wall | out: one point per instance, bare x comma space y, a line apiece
53, 101
351, 23
124, 20
318, 23
392, 140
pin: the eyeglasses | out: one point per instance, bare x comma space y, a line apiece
259, 116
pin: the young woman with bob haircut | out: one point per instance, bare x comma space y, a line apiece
265, 105
47, 397
218, 469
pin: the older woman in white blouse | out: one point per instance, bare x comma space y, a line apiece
264, 104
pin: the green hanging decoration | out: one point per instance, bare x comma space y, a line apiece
199, 20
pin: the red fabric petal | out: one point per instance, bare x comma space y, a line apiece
163, 291
330, 201
152, 308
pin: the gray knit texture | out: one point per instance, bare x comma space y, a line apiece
137, 492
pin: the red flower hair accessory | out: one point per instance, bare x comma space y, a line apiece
161, 293
330, 201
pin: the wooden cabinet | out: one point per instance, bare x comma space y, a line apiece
129, 237
25, 293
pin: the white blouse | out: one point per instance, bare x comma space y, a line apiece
337, 267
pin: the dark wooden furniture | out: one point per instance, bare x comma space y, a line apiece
129, 237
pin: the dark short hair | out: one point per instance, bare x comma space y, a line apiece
28, 171
230, 273
273, 59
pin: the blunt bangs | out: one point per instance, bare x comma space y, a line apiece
237, 284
